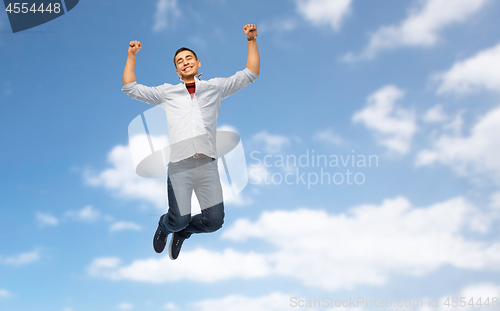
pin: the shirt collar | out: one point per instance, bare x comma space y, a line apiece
197, 76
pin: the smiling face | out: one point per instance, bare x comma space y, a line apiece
187, 65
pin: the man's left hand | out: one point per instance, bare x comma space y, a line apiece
250, 30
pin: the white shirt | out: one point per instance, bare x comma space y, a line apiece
192, 123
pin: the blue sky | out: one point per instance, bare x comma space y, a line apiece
413, 83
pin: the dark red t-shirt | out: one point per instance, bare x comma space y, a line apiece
191, 88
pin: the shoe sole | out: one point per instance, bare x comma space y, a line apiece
170, 246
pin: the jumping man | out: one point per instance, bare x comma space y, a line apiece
191, 107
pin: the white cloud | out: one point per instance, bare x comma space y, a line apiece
272, 302
21, 259
167, 12
214, 266
86, 214
125, 306
46, 220
393, 126
435, 114
421, 28
272, 143
328, 136
364, 246
473, 74
376, 242
324, 12
469, 155
4, 293
123, 225
122, 179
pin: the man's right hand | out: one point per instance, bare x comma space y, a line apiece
134, 47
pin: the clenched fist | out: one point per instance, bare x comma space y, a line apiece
250, 30
134, 47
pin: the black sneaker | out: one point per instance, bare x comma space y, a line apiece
175, 245
159, 241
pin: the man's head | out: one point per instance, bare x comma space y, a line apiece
186, 62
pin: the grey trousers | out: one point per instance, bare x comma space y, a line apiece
200, 175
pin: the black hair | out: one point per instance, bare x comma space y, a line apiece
184, 49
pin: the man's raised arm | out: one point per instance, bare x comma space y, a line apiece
129, 72
151, 95
253, 60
